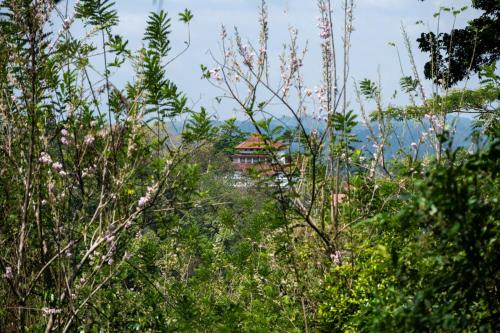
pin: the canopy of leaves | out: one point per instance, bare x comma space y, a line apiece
456, 55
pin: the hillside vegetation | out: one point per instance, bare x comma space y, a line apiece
112, 221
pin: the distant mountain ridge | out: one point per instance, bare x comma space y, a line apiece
406, 133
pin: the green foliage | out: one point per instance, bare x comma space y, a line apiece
408, 84
111, 223
186, 16
369, 89
199, 127
431, 267
344, 125
456, 55
157, 32
230, 135
99, 13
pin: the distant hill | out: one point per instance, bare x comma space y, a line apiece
406, 133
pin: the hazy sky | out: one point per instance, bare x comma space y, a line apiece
377, 22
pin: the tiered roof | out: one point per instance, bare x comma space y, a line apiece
255, 141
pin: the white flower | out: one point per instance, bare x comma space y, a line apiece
8, 273
414, 145
47, 311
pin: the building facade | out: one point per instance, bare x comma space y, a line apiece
254, 154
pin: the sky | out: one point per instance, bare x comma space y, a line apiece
376, 24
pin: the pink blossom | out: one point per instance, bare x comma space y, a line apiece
414, 145
143, 201
324, 28
336, 257
64, 141
67, 23
216, 74
64, 132
45, 158
147, 197
89, 139
248, 55
57, 166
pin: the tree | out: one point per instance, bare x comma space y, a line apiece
456, 55
229, 136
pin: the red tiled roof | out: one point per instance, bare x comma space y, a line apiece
255, 141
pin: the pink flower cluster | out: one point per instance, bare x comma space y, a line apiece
336, 257
325, 31
64, 137
58, 167
247, 54
143, 201
88, 140
45, 158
